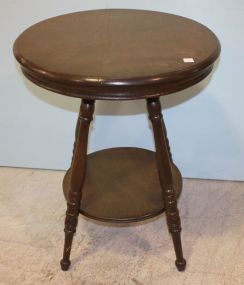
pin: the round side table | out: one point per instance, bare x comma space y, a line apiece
119, 55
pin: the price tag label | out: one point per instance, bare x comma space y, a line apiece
188, 59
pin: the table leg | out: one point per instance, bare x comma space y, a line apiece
78, 170
164, 163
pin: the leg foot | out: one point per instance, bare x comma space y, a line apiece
65, 264
175, 230
180, 264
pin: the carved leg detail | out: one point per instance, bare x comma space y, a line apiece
164, 163
167, 143
77, 176
174, 226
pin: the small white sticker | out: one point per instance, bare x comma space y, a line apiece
188, 59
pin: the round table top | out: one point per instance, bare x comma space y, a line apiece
116, 54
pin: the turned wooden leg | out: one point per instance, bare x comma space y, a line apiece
77, 176
164, 164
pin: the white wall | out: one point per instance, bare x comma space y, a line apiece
205, 123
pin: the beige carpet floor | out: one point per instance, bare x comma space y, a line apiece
32, 211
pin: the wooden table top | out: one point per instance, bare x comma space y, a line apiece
116, 54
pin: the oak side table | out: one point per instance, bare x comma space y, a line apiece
119, 55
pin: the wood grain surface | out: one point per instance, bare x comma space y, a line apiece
116, 54
122, 184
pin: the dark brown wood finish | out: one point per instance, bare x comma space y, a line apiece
77, 177
120, 92
122, 185
165, 173
116, 54
119, 55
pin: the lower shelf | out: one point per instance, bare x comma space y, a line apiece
122, 185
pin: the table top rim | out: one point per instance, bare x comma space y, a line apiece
133, 81
98, 81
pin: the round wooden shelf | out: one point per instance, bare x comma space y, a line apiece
122, 185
